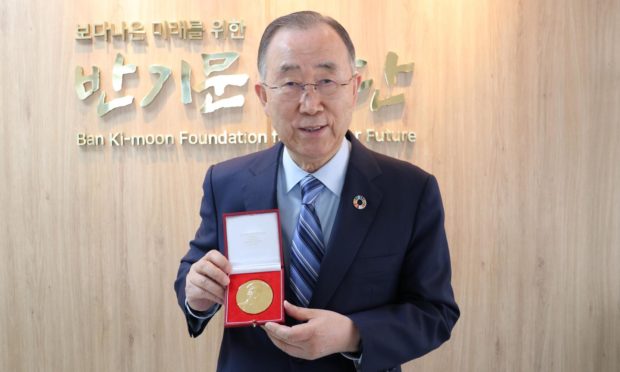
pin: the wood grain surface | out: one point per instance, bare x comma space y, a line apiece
516, 108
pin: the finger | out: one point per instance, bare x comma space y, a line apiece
205, 288
200, 287
211, 271
198, 299
219, 260
290, 349
297, 334
201, 300
278, 331
206, 283
299, 313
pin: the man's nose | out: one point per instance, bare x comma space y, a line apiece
310, 101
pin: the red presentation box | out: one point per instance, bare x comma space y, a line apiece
253, 245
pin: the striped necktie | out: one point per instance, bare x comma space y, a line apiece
308, 246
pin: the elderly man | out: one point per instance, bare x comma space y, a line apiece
368, 271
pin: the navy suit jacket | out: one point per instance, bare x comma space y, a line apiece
387, 266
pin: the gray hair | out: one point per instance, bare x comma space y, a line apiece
301, 20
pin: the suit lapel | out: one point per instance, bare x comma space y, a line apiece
259, 191
351, 224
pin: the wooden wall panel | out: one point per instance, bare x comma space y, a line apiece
515, 105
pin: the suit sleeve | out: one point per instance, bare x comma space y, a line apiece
205, 240
424, 313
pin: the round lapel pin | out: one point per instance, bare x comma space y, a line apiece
359, 202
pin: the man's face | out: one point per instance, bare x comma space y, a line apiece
310, 125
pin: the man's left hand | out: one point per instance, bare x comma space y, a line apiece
324, 332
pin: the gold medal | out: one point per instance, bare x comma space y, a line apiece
254, 296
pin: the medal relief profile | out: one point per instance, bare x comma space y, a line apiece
254, 296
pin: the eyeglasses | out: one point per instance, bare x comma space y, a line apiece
294, 90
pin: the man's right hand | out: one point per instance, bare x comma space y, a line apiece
207, 280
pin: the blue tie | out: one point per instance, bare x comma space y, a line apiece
308, 247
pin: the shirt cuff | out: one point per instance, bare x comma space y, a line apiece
203, 315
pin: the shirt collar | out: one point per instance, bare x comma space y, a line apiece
331, 174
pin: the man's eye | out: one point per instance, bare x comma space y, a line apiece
325, 82
290, 84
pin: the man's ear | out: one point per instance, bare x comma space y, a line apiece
357, 82
261, 93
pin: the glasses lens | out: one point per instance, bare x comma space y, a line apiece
291, 89
326, 87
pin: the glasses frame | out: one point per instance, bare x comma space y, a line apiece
302, 86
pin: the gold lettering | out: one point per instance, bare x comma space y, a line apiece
81, 81
164, 73
186, 91
376, 104
104, 107
116, 139
119, 70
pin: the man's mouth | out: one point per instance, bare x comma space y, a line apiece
313, 129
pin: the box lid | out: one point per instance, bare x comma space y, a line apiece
253, 241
